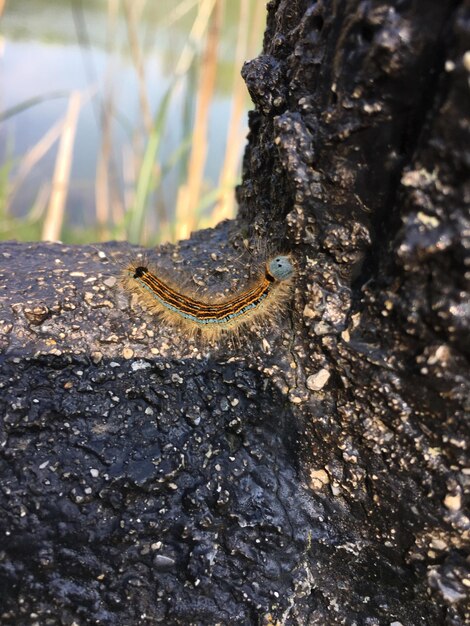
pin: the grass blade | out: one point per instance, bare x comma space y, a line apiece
31, 102
145, 180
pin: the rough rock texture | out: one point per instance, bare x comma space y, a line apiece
314, 475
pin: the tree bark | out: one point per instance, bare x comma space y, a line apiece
317, 474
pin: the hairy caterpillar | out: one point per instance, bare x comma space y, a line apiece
261, 300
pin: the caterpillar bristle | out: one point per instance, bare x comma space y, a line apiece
204, 315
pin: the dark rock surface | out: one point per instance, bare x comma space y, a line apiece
315, 474
143, 480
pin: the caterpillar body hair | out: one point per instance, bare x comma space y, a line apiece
259, 302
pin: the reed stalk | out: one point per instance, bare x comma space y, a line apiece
33, 156
189, 193
54, 219
179, 11
199, 27
104, 197
133, 10
146, 178
129, 176
225, 207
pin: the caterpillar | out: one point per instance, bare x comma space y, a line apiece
259, 301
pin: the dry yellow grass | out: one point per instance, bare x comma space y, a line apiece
52, 226
190, 193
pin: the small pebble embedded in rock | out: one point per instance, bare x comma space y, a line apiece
36, 315
317, 381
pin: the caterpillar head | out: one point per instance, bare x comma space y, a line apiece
281, 267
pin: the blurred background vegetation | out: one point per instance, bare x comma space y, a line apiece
122, 119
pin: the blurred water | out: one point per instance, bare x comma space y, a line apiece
41, 53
